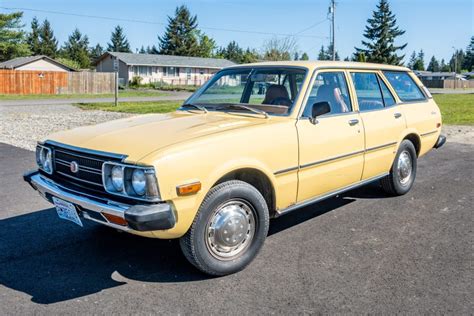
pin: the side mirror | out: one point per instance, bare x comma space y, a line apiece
319, 108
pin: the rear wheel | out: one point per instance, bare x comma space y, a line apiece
403, 172
229, 229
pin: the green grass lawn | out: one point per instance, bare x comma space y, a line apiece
457, 109
134, 107
122, 93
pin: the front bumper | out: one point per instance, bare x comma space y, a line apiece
141, 218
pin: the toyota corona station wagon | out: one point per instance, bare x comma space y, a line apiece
255, 142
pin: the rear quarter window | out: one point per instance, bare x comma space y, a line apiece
405, 87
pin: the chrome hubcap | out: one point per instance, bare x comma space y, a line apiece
230, 229
404, 167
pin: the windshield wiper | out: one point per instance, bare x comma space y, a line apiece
191, 105
240, 106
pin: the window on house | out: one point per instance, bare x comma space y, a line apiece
171, 71
188, 73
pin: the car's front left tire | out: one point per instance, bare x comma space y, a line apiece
228, 230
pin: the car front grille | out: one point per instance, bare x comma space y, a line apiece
89, 167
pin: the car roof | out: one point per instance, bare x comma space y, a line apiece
324, 64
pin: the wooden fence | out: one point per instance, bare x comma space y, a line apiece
55, 82
448, 84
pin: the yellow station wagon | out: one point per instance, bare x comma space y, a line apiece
255, 142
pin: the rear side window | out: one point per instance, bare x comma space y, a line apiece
368, 92
404, 86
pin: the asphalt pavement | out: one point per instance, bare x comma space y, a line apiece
362, 252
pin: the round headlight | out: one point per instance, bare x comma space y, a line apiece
139, 181
117, 177
47, 163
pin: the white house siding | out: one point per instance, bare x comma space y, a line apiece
181, 76
42, 65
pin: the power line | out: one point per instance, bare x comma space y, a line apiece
160, 23
310, 27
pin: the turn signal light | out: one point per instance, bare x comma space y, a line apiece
188, 189
115, 219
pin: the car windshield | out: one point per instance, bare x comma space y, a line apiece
266, 90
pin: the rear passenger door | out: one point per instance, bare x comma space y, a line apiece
383, 121
421, 113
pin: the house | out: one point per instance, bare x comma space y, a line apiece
175, 70
428, 75
35, 63
444, 80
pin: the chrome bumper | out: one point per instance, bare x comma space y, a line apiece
139, 217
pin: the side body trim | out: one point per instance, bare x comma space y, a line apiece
429, 133
328, 195
311, 164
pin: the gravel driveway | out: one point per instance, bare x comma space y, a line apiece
23, 125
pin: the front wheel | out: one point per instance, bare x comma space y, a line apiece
403, 172
229, 229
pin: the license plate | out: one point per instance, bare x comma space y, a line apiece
67, 211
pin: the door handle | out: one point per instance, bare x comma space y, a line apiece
353, 122
397, 115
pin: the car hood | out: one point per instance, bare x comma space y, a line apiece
140, 135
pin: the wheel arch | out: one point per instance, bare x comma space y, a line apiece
413, 137
258, 179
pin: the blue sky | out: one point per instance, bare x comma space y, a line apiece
432, 25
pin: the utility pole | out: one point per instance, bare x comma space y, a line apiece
455, 65
332, 11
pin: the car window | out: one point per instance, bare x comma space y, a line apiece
387, 95
368, 92
273, 89
406, 89
329, 87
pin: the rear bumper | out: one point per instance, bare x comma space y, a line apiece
440, 142
140, 218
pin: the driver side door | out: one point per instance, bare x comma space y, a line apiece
331, 150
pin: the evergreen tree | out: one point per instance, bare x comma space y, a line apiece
443, 66
433, 66
381, 32
469, 57
412, 61
322, 54
420, 61
346, 59
152, 50
232, 52
142, 50
297, 56
329, 53
118, 41
33, 39
96, 52
76, 49
12, 38
457, 61
49, 44
180, 35
304, 57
